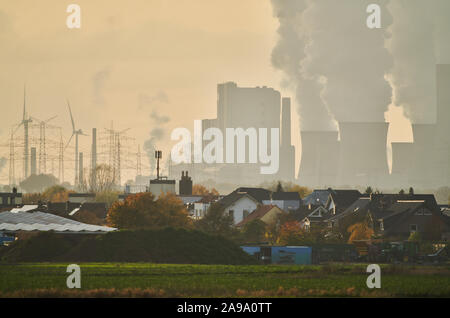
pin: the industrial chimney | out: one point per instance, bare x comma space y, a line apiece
185, 184
363, 155
320, 155
80, 169
94, 156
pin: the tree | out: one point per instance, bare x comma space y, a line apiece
402, 192
411, 191
56, 193
279, 187
107, 197
291, 233
199, 189
142, 211
369, 190
360, 231
37, 183
216, 221
102, 179
253, 232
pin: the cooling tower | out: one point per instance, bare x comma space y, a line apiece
320, 155
423, 169
402, 152
443, 125
363, 155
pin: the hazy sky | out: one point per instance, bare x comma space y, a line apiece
135, 62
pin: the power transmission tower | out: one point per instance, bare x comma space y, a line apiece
61, 158
12, 173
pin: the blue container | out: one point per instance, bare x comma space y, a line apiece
298, 255
252, 250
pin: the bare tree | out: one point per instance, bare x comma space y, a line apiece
104, 179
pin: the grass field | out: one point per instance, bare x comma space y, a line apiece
156, 280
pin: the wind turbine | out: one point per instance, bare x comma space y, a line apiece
25, 121
75, 133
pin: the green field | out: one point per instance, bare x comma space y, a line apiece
157, 280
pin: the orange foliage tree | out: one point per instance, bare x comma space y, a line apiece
142, 211
360, 231
199, 189
291, 233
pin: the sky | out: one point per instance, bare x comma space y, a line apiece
140, 64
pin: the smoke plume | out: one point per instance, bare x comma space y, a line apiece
157, 134
287, 56
420, 33
99, 79
3, 161
336, 63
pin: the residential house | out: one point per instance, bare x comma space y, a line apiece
240, 204
266, 213
397, 215
202, 206
287, 201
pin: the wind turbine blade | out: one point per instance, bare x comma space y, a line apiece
69, 141
71, 117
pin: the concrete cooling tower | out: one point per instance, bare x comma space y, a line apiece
320, 155
423, 172
443, 125
363, 155
402, 153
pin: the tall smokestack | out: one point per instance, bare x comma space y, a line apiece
320, 155
93, 156
402, 153
33, 161
363, 155
80, 169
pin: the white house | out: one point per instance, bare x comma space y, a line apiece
239, 205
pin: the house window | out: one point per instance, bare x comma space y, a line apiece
381, 226
413, 228
246, 213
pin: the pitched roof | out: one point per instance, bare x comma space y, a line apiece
39, 221
344, 198
233, 197
258, 194
257, 214
286, 196
359, 205
316, 197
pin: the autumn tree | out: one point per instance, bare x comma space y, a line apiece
291, 233
199, 189
142, 211
56, 193
216, 221
360, 231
